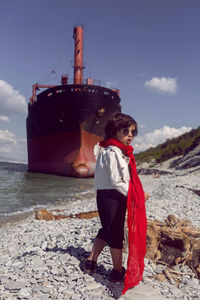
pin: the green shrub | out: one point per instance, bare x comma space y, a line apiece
171, 148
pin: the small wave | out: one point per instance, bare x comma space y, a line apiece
80, 193
2, 159
25, 210
86, 192
13, 166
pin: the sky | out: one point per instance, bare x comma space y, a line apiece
148, 49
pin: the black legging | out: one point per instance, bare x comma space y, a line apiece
112, 209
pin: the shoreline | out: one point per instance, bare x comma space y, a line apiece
41, 259
15, 218
70, 204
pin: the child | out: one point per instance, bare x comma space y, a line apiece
118, 187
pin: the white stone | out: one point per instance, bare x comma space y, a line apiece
18, 264
37, 261
25, 293
43, 245
15, 285
142, 292
54, 270
93, 286
68, 292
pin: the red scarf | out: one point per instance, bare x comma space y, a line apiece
137, 221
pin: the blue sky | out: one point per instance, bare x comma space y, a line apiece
149, 49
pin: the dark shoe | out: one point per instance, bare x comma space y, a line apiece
116, 275
88, 266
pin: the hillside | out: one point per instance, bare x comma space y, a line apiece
186, 148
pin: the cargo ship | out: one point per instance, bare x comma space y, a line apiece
65, 121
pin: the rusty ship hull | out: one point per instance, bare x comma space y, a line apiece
63, 126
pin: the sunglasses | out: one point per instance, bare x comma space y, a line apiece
126, 131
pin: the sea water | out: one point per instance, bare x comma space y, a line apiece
22, 191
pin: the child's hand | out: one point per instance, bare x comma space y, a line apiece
146, 196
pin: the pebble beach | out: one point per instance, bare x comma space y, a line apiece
41, 259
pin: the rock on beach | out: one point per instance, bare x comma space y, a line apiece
41, 259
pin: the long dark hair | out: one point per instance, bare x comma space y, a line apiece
118, 121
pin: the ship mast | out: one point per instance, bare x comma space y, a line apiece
78, 55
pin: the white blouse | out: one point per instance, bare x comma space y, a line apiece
112, 170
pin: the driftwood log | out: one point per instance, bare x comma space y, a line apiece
173, 242
170, 242
56, 214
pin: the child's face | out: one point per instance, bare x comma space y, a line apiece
126, 135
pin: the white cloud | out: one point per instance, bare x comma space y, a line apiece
7, 141
11, 101
165, 85
4, 119
158, 136
139, 75
111, 84
11, 146
141, 126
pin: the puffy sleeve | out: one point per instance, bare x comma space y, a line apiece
118, 171
96, 150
